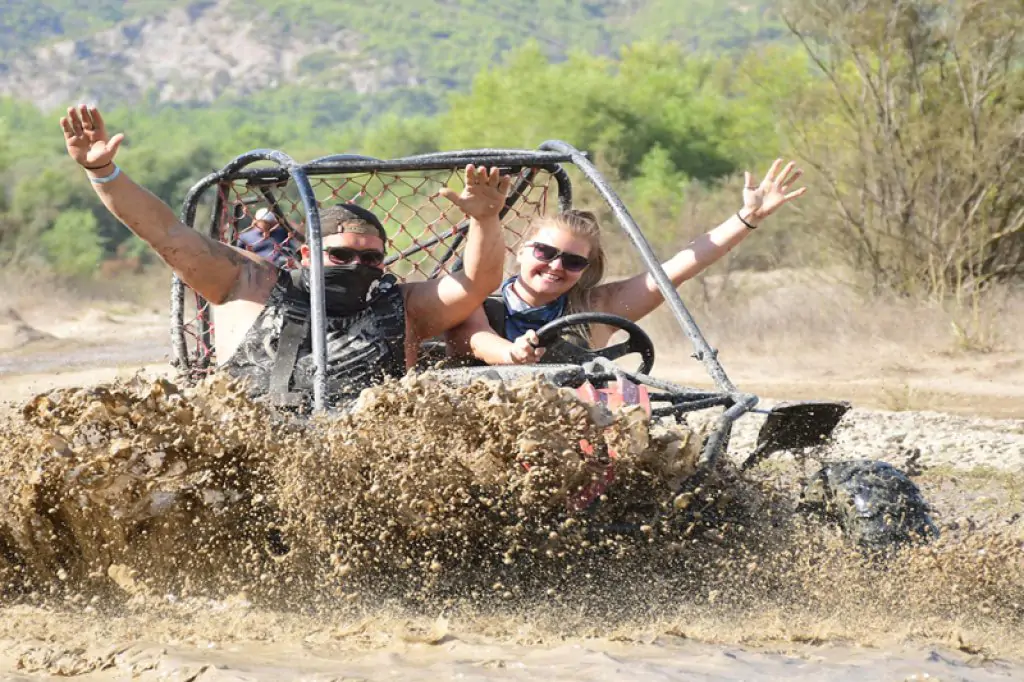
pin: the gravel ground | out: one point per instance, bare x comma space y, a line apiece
942, 440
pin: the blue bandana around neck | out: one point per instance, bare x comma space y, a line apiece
521, 318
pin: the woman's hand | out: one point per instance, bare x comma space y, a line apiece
524, 350
85, 136
762, 200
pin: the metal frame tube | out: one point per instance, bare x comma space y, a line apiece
204, 312
716, 441
179, 346
317, 298
679, 408
564, 188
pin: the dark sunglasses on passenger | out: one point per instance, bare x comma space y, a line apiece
545, 253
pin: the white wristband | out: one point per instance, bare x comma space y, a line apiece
109, 178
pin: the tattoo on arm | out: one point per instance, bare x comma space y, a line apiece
252, 276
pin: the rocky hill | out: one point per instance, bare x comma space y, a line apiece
167, 51
194, 53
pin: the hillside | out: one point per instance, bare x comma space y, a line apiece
210, 51
194, 84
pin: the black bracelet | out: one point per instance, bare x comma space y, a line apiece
96, 168
752, 227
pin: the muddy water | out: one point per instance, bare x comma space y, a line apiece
441, 533
356, 650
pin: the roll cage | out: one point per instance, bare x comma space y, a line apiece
280, 175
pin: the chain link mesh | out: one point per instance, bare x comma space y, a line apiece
423, 228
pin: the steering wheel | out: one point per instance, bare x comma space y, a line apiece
638, 341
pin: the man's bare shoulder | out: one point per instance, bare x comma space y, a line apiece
418, 287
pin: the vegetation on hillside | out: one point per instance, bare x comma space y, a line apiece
905, 114
346, 60
24, 23
450, 39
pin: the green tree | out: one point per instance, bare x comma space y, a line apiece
655, 96
73, 244
658, 189
38, 199
394, 136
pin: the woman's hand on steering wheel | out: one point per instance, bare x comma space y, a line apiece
525, 350
637, 342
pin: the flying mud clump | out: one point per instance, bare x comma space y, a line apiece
145, 486
115, 482
427, 484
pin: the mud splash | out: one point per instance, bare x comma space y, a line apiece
112, 481
147, 484
148, 505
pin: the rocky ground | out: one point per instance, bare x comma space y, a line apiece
929, 439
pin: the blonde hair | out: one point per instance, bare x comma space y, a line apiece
582, 224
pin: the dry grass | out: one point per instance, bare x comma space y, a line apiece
801, 335
40, 289
786, 312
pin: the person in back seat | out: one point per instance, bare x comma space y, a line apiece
270, 240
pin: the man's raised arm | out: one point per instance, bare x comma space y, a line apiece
218, 272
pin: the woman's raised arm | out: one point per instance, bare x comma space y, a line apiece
637, 296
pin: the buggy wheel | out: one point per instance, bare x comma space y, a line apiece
875, 504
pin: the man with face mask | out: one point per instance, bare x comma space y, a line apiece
374, 326
366, 325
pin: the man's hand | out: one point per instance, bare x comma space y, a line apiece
85, 136
217, 272
524, 350
484, 194
762, 200
438, 304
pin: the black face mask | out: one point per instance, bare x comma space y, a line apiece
346, 287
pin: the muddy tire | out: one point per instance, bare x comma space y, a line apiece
875, 504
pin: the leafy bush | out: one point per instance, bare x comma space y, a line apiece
73, 244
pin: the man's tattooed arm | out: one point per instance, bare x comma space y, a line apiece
218, 272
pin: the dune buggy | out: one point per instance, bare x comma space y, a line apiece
875, 502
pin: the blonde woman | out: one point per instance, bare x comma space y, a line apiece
561, 265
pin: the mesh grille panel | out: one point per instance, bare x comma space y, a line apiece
423, 229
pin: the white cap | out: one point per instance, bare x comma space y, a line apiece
265, 214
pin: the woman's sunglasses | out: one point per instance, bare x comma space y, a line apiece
545, 253
343, 255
